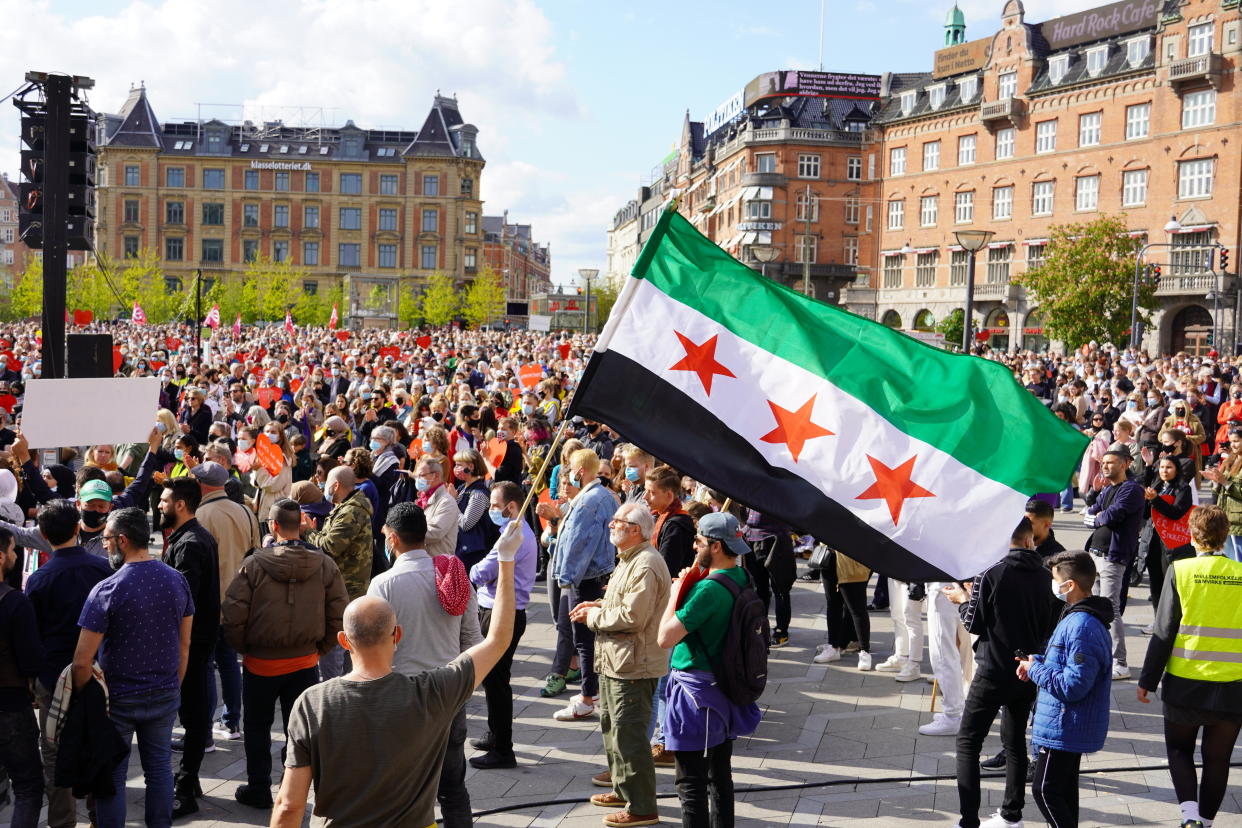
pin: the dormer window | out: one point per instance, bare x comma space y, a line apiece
284, 149
1137, 50
1096, 59
907, 102
215, 141
263, 147
935, 96
967, 88
1057, 67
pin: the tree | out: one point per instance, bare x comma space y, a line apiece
26, 299
485, 298
278, 286
439, 301
1084, 287
951, 327
605, 297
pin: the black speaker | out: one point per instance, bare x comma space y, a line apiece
89, 356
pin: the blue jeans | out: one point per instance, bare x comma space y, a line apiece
655, 732
1067, 498
150, 716
1233, 547
225, 661
19, 753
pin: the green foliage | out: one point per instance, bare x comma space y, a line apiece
26, 298
1084, 287
605, 297
277, 286
376, 299
951, 327
87, 289
439, 302
485, 298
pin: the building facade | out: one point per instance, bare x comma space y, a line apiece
524, 264
379, 207
1129, 109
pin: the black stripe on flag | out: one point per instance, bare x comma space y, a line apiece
660, 419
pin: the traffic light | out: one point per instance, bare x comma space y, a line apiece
30, 190
1153, 275
1224, 259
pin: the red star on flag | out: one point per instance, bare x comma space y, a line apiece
893, 486
701, 359
794, 428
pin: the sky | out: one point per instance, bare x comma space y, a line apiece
576, 102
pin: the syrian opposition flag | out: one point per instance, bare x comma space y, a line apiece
333, 319
237, 325
213, 318
139, 316
289, 321
912, 460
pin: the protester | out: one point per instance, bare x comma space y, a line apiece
1115, 514
475, 533
21, 659
1227, 478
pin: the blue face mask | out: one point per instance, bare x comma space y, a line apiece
631, 474
528, 409
420, 484
497, 516
1056, 590
426, 447
179, 454
376, 445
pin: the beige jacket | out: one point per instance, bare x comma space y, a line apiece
628, 619
442, 519
235, 529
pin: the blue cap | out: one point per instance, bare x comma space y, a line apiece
724, 527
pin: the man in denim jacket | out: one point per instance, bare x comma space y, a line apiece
1075, 682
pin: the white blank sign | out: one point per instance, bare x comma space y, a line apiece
539, 323
86, 412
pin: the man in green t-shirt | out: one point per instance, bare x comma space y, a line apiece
700, 722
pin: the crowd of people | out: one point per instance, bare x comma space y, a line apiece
352, 526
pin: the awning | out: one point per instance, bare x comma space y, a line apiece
887, 253
956, 248
722, 205
1196, 228
749, 238
998, 245
1135, 234
922, 250
1035, 242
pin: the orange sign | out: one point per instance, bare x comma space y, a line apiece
269, 455
495, 452
268, 396
529, 375
1173, 533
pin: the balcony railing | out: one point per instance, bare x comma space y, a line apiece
763, 179
1008, 110
1200, 67
1199, 283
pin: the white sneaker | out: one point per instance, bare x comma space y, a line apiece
864, 660
942, 725
577, 709
1120, 671
1149, 630
826, 653
892, 664
998, 821
909, 672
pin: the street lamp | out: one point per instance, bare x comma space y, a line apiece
1136, 338
972, 241
764, 253
587, 274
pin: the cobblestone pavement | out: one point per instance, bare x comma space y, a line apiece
821, 724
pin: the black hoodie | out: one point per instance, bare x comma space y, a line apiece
1011, 609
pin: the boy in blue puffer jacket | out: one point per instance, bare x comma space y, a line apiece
1075, 680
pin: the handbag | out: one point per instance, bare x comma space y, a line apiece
821, 557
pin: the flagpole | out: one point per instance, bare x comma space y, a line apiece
543, 470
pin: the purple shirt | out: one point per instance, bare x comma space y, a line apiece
138, 610
484, 574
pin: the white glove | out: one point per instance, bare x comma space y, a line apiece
1088, 520
510, 540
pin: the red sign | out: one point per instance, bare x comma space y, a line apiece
342, 335
8, 402
116, 359
83, 317
269, 455
495, 452
1173, 533
390, 351
14, 363
563, 350
172, 343
267, 397
424, 341
529, 375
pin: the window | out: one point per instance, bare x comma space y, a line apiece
958, 262
431, 220
897, 161
1097, 58
1134, 188
350, 218
250, 180
351, 183
1046, 136
851, 250
1087, 192
964, 207
174, 212
174, 249
129, 247
1137, 50
1199, 108
805, 249
1190, 253
931, 156
280, 251
427, 259
1007, 85
1089, 129
431, 185
851, 209
132, 210
467, 187
387, 255
472, 222
250, 215
1194, 178
1002, 202
907, 102
214, 214
867, 221
280, 215
311, 217
312, 182
388, 185
174, 177
1199, 39
250, 250
1004, 143
966, 149
998, 264
471, 259
892, 271
765, 162
1041, 198
310, 253
1035, 256
349, 254
967, 88
282, 182
808, 166
1138, 121
925, 270
935, 96
853, 168
310, 287
927, 211
388, 218
213, 250
896, 214
133, 176
213, 179
805, 211
1057, 67
755, 210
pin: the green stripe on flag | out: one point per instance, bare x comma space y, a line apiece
968, 407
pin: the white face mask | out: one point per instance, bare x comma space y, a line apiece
1056, 590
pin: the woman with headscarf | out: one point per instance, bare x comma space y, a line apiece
1168, 495
10, 512
334, 438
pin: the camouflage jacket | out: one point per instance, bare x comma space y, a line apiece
346, 538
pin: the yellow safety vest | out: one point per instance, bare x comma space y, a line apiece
1208, 646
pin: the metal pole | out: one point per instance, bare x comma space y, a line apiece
1216, 318
198, 310
1135, 336
1237, 312
586, 312
806, 254
970, 303
55, 215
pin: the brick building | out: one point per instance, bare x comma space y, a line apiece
1127, 108
14, 254
525, 265
377, 207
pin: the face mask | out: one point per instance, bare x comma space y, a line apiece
1132, 405
426, 447
576, 480
502, 435
282, 418
437, 416
375, 445
497, 516
420, 484
179, 454
528, 409
1153, 401
1060, 398
244, 445
93, 520
631, 474
274, 440
1237, 395
1056, 590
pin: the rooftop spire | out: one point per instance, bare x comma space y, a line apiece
955, 27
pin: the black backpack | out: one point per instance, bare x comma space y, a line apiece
742, 672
